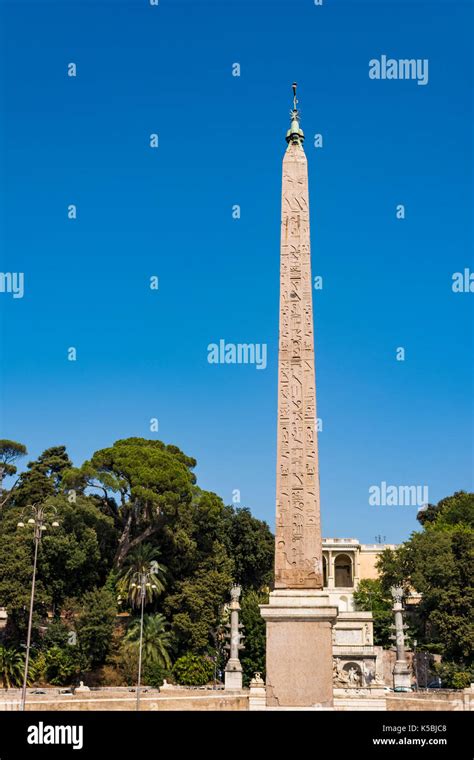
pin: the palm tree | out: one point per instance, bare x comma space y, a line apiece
156, 639
142, 561
12, 664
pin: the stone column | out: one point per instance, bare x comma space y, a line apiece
331, 570
299, 615
401, 670
233, 669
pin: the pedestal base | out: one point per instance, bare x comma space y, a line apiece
233, 676
401, 676
299, 648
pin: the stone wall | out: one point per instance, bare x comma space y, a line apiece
438, 699
116, 700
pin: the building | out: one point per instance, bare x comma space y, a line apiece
358, 665
345, 563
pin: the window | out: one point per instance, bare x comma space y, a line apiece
343, 571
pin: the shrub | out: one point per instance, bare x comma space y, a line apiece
193, 670
154, 675
455, 675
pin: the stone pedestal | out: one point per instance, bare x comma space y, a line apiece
401, 676
257, 693
233, 675
299, 648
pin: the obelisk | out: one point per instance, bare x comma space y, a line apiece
299, 616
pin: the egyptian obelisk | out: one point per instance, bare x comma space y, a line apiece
299, 616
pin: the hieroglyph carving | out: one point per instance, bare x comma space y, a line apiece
298, 529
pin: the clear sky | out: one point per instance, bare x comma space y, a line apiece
142, 354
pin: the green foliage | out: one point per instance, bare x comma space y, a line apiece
193, 670
439, 563
253, 656
195, 607
455, 675
43, 477
154, 674
56, 635
156, 639
72, 559
78, 555
10, 451
461, 680
251, 545
142, 560
372, 597
95, 625
134, 501
124, 667
150, 481
12, 665
453, 510
58, 666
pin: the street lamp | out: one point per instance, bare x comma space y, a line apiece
143, 585
40, 515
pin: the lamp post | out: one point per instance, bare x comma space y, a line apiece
144, 582
415, 665
40, 514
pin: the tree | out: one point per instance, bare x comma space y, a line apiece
43, 477
133, 502
253, 656
438, 562
58, 666
149, 480
12, 665
95, 625
251, 545
16, 569
194, 608
193, 670
455, 509
77, 556
371, 597
156, 639
10, 452
72, 559
142, 560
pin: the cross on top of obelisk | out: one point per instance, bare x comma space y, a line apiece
295, 134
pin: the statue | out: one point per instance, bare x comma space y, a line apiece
339, 675
354, 677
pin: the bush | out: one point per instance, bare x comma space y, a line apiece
107, 675
126, 664
95, 625
461, 680
59, 667
455, 675
193, 670
154, 675
56, 635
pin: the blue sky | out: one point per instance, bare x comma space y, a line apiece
141, 212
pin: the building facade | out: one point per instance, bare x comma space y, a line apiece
357, 663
